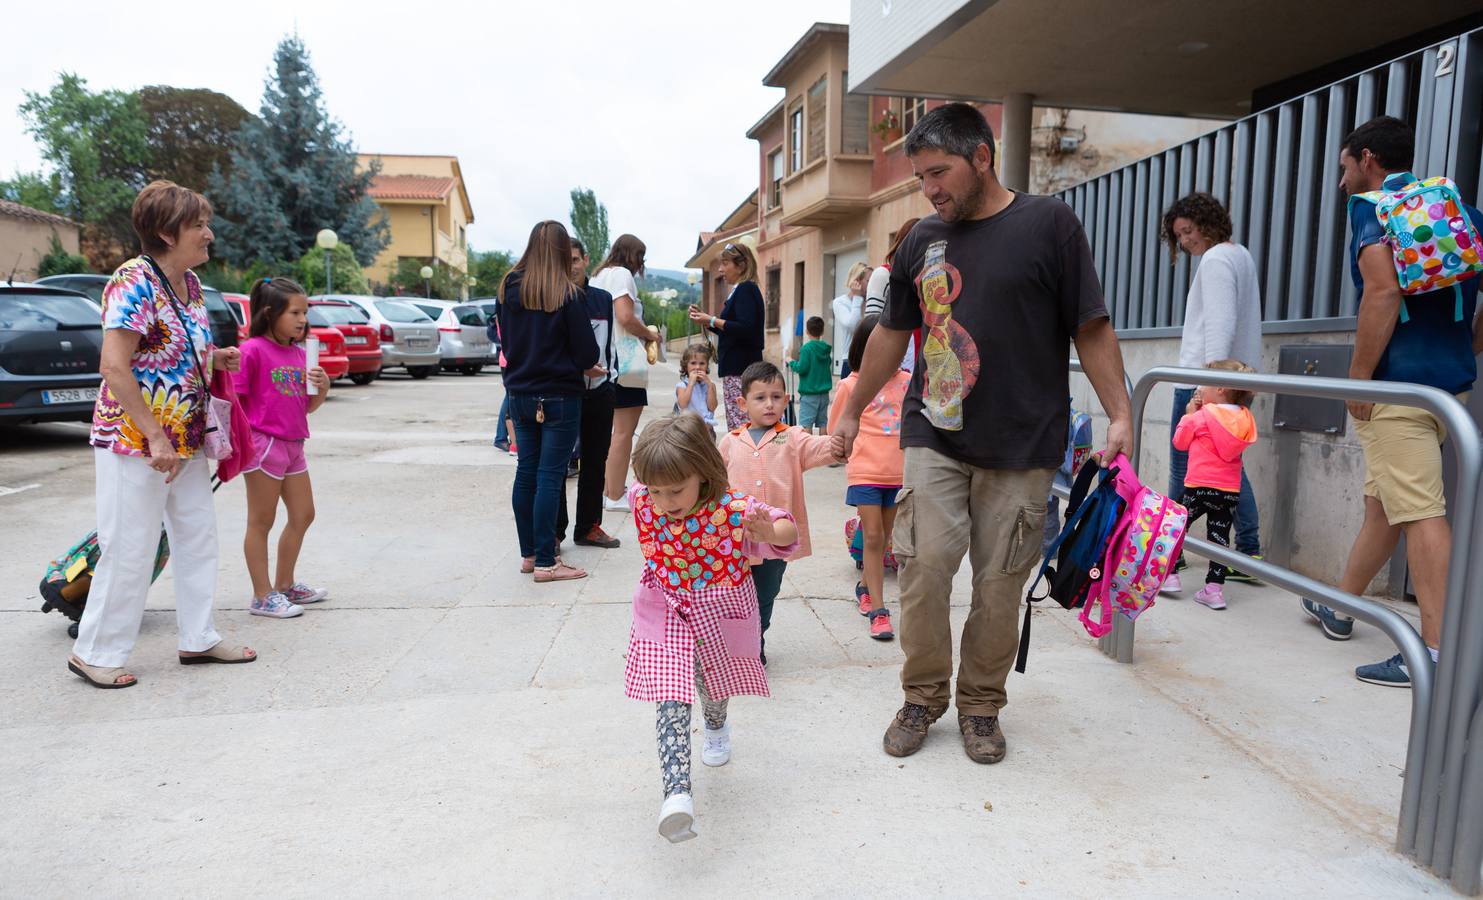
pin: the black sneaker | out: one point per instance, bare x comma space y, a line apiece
1238, 575
1334, 628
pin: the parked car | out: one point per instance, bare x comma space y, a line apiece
463, 336
223, 322
487, 307
240, 305
332, 356
362, 339
50, 340
409, 339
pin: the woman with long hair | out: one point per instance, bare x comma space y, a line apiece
549, 347
739, 326
616, 274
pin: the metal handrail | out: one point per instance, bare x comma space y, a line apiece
1441, 717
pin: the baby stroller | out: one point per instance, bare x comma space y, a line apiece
68, 578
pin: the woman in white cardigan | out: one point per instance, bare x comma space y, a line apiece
1222, 320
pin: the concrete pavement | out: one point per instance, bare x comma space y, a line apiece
442, 725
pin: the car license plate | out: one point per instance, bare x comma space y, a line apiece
355, 340
416, 342
70, 395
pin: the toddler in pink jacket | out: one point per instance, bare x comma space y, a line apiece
1216, 429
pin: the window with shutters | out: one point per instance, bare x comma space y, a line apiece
855, 137
774, 178
818, 118
774, 297
795, 138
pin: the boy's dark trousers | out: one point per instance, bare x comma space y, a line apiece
767, 576
594, 437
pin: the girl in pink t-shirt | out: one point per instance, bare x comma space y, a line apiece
874, 473
272, 387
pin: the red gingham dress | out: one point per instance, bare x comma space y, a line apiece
696, 600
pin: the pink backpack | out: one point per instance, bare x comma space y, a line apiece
1145, 544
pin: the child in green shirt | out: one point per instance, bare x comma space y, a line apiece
815, 378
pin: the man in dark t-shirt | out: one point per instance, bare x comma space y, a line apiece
1000, 284
596, 434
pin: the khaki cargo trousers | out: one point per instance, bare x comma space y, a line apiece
996, 516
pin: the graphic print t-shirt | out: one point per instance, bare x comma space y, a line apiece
998, 301
272, 390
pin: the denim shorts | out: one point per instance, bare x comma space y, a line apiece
871, 495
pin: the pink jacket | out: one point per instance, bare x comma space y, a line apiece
772, 470
1215, 435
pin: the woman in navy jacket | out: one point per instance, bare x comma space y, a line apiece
739, 326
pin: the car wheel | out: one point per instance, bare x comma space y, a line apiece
421, 372
364, 377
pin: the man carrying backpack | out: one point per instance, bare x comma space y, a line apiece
1407, 333
1001, 283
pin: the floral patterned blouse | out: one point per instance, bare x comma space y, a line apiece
168, 377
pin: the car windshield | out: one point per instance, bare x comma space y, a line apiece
317, 318
215, 301
433, 312
340, 314
469, 315
46, 312
395, 311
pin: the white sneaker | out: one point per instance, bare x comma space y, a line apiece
677, 818
275, 606
717, 749
614, 505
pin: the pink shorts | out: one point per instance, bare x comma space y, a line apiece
276, 457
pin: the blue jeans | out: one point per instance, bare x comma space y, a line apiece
501, 433
813, 410
540, 468
1248, 535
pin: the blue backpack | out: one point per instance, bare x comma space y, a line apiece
1074, 562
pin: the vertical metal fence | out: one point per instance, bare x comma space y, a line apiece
1277, 172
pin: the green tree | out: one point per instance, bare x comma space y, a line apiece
98, 147
590, 222
35, 190
293, 172
349, 277
190, 133
58, 261
488, 270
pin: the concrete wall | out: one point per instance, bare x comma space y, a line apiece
29, 241
1330, 500
1107, 141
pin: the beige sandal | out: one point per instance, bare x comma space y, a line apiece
101, 676
527, 565
559, 572
222, 652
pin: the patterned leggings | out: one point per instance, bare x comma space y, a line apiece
1218, 507
673, 728
736, 417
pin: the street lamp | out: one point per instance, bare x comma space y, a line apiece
427, 284
327, 241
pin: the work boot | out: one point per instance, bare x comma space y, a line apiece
908, 730
983, 740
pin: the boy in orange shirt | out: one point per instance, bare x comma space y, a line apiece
766, 460
874, 474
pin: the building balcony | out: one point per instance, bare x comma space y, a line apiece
827, 190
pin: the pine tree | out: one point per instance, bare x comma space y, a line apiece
590, 222
293, 173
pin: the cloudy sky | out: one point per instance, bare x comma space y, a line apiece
646, 103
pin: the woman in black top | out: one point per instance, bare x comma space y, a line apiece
549, 347
739, 326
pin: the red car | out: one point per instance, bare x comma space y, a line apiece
362, 340
332, 356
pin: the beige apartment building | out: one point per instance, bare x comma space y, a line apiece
426, 203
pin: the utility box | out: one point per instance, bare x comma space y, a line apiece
1293, 413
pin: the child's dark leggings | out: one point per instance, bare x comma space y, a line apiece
768, 578
1219, 508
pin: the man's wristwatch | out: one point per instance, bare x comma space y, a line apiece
713, 321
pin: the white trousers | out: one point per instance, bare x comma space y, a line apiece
133, 500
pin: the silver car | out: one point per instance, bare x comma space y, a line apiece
409, 339
462, 334
487, 307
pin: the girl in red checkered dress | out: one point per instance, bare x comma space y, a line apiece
695, 628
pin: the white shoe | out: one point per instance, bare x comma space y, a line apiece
717, 749
677, 818
614, 505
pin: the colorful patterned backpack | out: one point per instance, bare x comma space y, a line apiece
1144, 547
1431, 237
